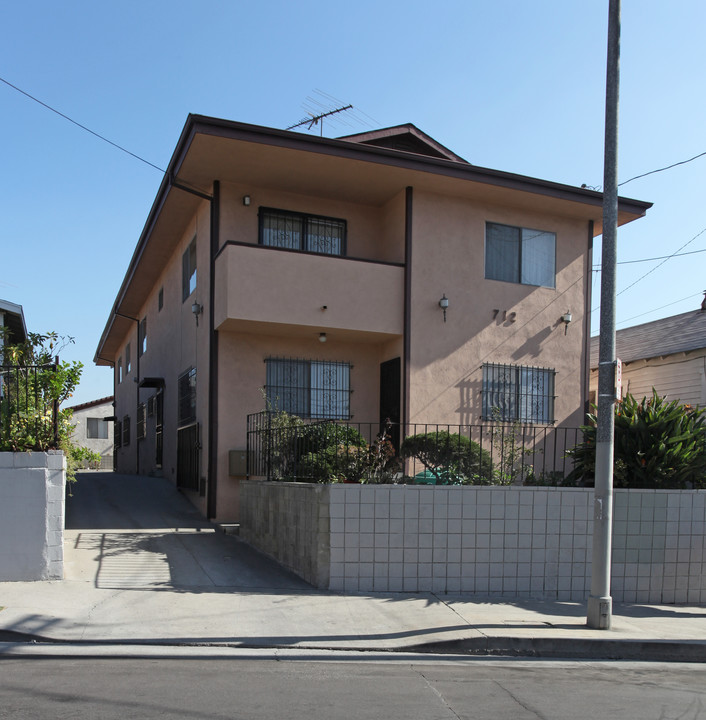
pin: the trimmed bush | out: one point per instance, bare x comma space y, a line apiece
450, 458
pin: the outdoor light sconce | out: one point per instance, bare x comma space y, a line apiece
197, 310
444, 304
246, 200
566, 319
322, 337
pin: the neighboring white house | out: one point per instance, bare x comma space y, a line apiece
94, 430
668, 355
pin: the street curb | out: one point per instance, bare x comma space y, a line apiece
554, 648
576, 648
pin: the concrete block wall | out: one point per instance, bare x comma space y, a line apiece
32, 489
289, 522
507, 541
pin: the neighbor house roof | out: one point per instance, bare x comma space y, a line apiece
675, 334
14, 320
93, 403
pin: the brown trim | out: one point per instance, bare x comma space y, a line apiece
588, 279
356, 151
212, 464
239, 243
409, 197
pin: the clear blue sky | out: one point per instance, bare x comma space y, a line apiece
513, 85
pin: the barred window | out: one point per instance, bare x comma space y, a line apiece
187, 397
309, 388
297, 231
141, 424
126, 431
117, 434
518, 393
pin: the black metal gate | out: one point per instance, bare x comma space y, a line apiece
188, 447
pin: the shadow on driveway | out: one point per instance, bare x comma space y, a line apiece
136, 532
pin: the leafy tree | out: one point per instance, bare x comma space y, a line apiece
658, 444
34, 382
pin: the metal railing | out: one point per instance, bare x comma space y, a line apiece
285, 447
29, 417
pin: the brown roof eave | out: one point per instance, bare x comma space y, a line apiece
372, 153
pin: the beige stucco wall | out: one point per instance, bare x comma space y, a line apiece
446, 358
242, 376
369, 234
174, 344
79, 434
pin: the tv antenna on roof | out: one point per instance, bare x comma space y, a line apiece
316, 119
320, 105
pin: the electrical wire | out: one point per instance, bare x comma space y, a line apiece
659, 265
83, 127
662, 257
661, 307
668, 167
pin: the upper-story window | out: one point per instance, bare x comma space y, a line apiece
119, 370
128, 363
188, 270
520, 255
142, 337
297, 231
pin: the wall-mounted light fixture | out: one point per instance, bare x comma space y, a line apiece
566, 318
322, 337
246, 200
444, 304
197, 310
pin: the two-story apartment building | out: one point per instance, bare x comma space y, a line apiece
373, 276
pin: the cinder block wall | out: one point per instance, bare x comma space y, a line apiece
508, 541
289, 522
32, 516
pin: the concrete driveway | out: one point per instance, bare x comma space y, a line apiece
133, 532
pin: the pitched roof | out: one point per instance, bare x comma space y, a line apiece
92, 403
678, 333
14, 321
407, 138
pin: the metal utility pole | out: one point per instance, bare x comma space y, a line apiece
600, 603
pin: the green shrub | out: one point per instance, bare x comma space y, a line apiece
451, 458
658, 444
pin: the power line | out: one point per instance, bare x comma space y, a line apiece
668, 167
649, 272
83, 127
662, 257
661, 307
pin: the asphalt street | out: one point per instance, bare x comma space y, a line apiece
327, 686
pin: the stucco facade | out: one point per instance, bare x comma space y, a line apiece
406, 229
93, 428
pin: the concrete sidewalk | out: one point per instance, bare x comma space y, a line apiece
167, 577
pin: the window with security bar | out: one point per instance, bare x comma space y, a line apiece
309, 388
141, 426
187, 397
297, 231
517, 393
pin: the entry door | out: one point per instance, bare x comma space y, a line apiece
390, 396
